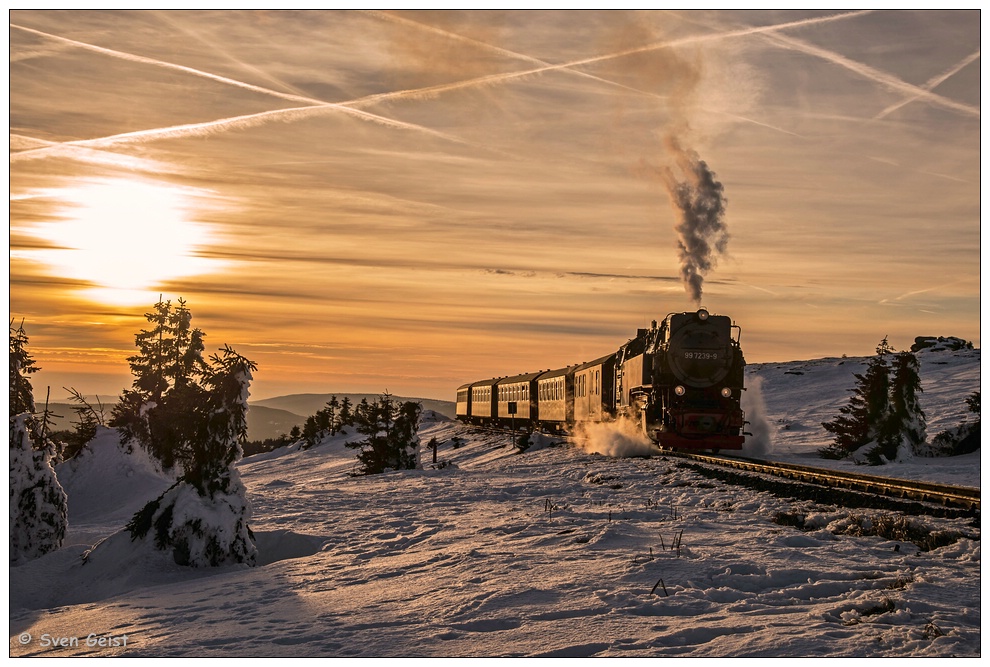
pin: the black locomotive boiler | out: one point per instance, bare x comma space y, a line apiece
681, 380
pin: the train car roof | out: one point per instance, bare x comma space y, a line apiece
525, 377
594, 362
557, 372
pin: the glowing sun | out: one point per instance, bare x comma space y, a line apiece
125, 237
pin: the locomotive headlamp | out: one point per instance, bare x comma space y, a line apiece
702, 314
726, 392
679, 390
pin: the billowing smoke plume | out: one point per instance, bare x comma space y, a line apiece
698, 197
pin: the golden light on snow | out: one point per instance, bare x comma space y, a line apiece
124, 238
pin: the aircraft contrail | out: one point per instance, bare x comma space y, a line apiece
199, 129
208, 128
874, 74
132, 57
930, 84
499, 78
542, 63
166, 17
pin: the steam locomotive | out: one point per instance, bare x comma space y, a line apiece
681, 381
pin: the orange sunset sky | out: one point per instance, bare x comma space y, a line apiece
406, 201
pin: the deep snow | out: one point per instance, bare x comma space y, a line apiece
552, 552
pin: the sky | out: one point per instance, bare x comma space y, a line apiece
364, 201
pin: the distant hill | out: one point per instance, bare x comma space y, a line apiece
63, 417
268, 418
309, 404
264, 422
271, 417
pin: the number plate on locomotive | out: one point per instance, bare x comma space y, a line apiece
702, 356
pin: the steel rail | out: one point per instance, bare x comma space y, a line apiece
944, 494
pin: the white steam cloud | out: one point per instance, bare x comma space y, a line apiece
617, 439
760, 442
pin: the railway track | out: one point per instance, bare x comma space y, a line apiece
966, 499
961, 497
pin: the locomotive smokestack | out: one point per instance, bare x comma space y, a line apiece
698, 197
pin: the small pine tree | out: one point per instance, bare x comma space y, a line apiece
390, 431
310, 432
167, 390
89, 420
962, 439
865, 418
203, 518
21, 366
332, 409
346, 415
39, 513
907, 418
325, 422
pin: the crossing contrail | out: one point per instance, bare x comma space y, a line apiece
209, 128
224, 124
542, 63
219, 125
930, 84
875, 75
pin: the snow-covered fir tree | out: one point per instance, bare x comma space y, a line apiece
38, 504
865, 418
961, 439
391, 441
883, 420
907, 418
203, 518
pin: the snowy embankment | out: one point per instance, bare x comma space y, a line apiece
792, 399
552, 552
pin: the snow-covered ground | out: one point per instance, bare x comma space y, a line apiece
798, 396
551, 552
